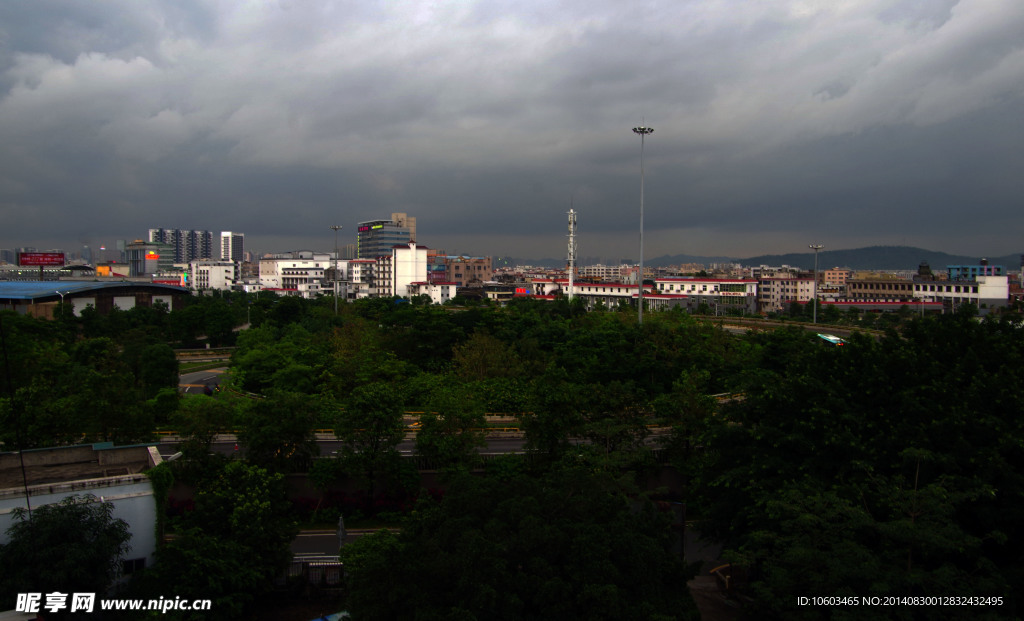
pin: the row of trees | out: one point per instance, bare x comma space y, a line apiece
60, 388
884, 467
887, 466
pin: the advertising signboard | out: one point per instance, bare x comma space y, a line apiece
40, 259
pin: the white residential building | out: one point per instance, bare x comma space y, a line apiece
296, 273
439, 292
776, 293
232, 246
720, 294
208, 274
406, 264
360, 278
984, 291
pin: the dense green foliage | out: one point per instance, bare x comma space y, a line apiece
567, 545
889, 466
74, 546
59, 388
230, 548
886, 467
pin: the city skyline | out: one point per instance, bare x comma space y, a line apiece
777, 124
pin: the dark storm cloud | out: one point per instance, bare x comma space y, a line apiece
850, 122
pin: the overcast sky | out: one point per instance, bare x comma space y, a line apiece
777, 123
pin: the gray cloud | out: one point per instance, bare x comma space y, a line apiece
847, 122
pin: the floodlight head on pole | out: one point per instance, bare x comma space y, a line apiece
642, 131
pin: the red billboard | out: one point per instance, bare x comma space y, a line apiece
40, 259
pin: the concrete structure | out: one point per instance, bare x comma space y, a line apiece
439, 292
187, 245
722, 295
112, 474
609, 294
232, 246
361, 283
295, 273
465, 271
375, 238
207, 274
404, 265
603, 273
836, 277
149, 258
985, 292
972, 272
879, 289
775, 293
42, 298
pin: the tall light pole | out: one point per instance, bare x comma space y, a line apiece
814, 297
335, 228
643, 131
62, 302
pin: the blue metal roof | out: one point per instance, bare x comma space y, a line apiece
41, 289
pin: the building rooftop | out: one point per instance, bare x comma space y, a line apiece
36, 289
82, 462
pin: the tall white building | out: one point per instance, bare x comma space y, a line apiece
232, 246
406, 264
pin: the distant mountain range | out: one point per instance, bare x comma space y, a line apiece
871, 258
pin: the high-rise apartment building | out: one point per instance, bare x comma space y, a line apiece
232, 246
376, 238
188, 245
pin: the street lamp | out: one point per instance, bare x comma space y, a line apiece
814, 297
642, 131
62, 302
335, 228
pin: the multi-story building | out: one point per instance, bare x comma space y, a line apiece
721, 295
375, 238
608, 294
438, 292
232, 246
149, 258
404, 265
205, 274
465, 271
971, 272
879, 288
295, 273
187, 245
983, 291
361, 283
836, 277
602, 273
775, 293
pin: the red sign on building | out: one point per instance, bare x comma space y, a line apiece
41, 259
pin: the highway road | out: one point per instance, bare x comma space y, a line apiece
227, 444
200, 382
